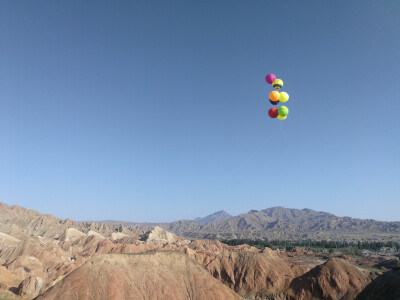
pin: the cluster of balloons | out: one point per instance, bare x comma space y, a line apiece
275, 97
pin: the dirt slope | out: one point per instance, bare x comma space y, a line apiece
248, 273
386, 286
335, 279
153, 275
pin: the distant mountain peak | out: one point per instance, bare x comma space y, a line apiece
220, 215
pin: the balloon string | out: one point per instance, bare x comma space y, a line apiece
283, 145
258, 149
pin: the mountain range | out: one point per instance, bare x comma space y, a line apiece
276, 223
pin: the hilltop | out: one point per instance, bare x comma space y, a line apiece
217, 216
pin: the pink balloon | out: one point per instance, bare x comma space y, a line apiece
270, 78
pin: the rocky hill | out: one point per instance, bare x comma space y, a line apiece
154, 275
21, 223
335, 279
250, 273
386, 286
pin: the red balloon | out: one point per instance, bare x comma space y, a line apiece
273, 112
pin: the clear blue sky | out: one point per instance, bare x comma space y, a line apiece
157, 110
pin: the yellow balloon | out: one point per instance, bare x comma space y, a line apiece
281, 118
283, 97
277, 84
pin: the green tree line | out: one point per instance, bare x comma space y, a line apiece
354, 248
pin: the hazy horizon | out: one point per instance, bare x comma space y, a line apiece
156, 111
183, 218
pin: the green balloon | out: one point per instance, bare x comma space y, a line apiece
283, 111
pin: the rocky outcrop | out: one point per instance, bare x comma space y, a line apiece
205, 251
159, 234
118, 235
30, 287
20, 223
249, 273
71, 234
34, 258
8, 280
8, 240
96, 234
155, 275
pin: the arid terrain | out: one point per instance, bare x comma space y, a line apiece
44, 257
278, 223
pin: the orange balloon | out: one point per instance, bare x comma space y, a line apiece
274, 96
